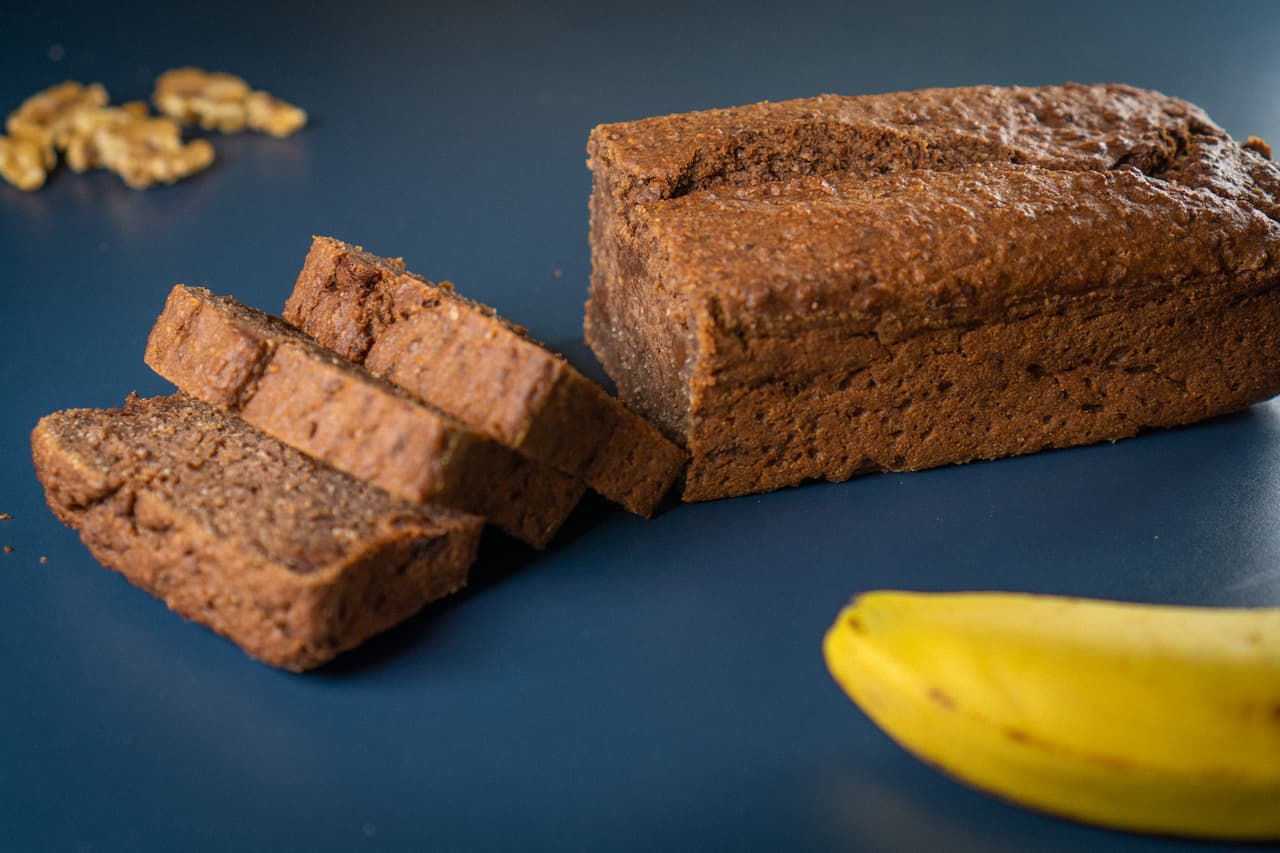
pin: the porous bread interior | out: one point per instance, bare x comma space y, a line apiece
232, 479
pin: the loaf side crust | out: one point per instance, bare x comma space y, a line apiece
460, 356
1079, 374
277, 379
336, 591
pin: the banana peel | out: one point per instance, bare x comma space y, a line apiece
1132, 716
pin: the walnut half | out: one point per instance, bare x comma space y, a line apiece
216, 100
23, 163
269, 114
142, 150
46, 117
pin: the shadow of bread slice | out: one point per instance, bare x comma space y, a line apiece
461, 356
257, 366
288, 558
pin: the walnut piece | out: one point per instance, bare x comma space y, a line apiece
81, 149
269, 114
216, 100
23, 163
45, 118
142, 150
213, 100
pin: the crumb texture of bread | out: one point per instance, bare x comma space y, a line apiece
279, 380
291, 560
818, 288
462, 357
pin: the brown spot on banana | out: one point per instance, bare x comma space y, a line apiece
937, 695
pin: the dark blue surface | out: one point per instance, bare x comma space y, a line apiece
644, 685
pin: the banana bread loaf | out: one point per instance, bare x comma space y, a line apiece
291, 560
460, 356
252, 364
822, 287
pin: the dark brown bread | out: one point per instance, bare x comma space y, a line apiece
251, 364
822, 287
289, 559
460, 356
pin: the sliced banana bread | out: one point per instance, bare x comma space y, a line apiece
290, 559
257, 366
462, 357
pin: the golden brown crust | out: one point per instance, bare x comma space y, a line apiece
254, 365
1072, 126
291, 560
763, 275
459, 355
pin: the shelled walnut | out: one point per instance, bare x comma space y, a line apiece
75, 120
142, 149
22, 163
216, 100
269, 114
39, 128
213, 100
46, 117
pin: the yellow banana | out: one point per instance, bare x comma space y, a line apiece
1141, 717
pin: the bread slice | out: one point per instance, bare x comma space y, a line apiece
288, 558
823, 287
460, 356
252, 364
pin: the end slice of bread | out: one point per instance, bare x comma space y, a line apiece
288, 558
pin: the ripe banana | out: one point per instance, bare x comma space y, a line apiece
1141, 717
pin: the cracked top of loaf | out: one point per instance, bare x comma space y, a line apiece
939, 206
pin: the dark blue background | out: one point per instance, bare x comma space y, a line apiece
644, 685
